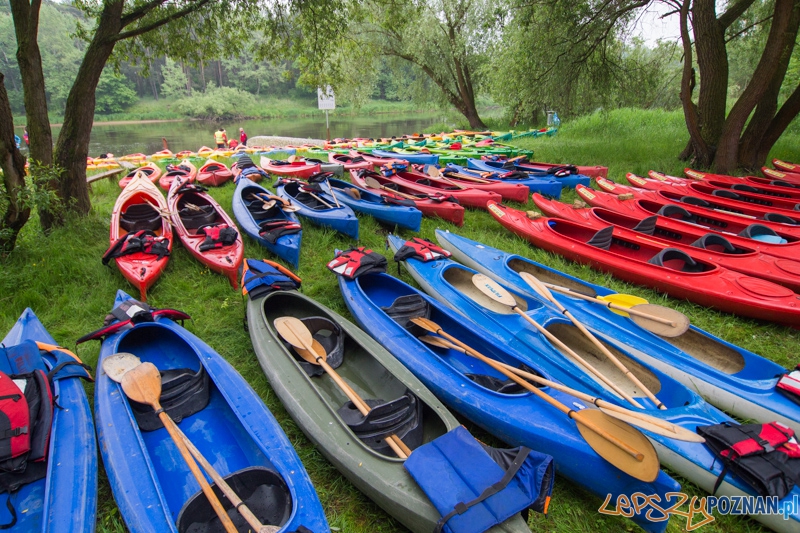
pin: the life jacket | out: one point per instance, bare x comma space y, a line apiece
218, 236
420, 249
393, 167
357, 261
789, 385
128, 313
475, 487
219, 137
765, 456
563, 170
143, 241
272, 230
260, 277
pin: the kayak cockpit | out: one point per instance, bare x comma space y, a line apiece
461, 279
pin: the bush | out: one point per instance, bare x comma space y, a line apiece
216, 103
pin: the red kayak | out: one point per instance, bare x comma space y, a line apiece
422, 184
786, 166
513, 192
706, 213
138, 218
150, 170
735, 253
213, 173
669, 270
205, 229
593, 171
183, 170
376, 160
441, 206
295, 169
783, 176
771, 186
349, 162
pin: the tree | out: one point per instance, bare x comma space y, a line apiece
114, 93
12, 163
174, 85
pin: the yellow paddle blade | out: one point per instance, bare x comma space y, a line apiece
624, 300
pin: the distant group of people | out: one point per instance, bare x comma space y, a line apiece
222, 141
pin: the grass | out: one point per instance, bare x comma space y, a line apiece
61, 278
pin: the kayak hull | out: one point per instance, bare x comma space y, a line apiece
151, 170
341, 219
494, 166
548, 187
372, 204
214, 173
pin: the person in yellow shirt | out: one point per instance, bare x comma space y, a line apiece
221, 138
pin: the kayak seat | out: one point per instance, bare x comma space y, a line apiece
404, 308
309, 201
401, 416
262, 489
781, 183
184, 392
602, 239
647, 225
194, 216
691, 200
744, 187
725, 193
677, 212
675, 259
330, 336
140, 217
760, 232
716, 243
777, 217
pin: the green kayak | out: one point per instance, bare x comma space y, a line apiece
320, 408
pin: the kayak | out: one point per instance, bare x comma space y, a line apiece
295, 169
451, 284
65, 499
422, 184
465, 384
547, 186
678, 219
513, 192
162, 154
381, 209
213, 173
349, 162
786, 166
141, 207
412, 157
669, 270
730, 252
754, 184
377, 161
184, 170
444, 207
336, 169
321, 409
196, 217
566, 179
249, 201
319, 207
151, 170
785, 177
733, 379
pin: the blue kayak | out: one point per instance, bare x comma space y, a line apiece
547, 186
321, 210
570, 180
369, 203
415, 157
236, 433
451, 284
251, 215
485, 396
734, 379
65, 500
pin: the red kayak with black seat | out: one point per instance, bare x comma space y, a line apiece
185, 170
782, 175
593, 171
442, 206
376, 160
770, 186
786, 166
670, 270
213, 173
205, 229
730, 252
150, 170
294, 169
422, 184
349, 162
513, 192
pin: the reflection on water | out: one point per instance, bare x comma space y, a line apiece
121, 139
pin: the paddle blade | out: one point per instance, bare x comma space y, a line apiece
536, 285
645, 470
372, 182
493, 290
143, 384
117, 365
311, 356
623, 300
293, 331
676, 432
680, 322
426, 324
264, 161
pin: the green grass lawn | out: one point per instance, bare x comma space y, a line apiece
61, 278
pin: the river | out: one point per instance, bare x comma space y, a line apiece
145, 137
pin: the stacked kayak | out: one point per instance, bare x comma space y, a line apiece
443, 206
293, 169
482, 394
185, 170
375, 159
785, 176
213, 173
768, 186
514, 192
350, 162
733, 253
454, 285
565, 174
266, 218
65, 497
786, 166
546, 186
401, 213
151, 170
141, 234
354, 444
220, 414
416, 158
670, 270
318, 206
418, 183
736, 380
205, 229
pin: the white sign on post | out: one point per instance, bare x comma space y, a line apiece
326, 99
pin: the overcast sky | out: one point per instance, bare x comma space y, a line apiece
651, 27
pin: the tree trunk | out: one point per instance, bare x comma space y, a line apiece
26, 26
13, 164
697, 145
785, 115
188, 77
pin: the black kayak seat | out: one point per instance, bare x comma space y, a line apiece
676, 211
194, 218
754, 231
781, 183
777, 217
744, 187
602, 239
401, 416
673, 254
691, 200
140, 217
647, 225
716, 243
725, 193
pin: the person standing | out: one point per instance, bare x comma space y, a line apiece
242, 136
25, 136
221, 138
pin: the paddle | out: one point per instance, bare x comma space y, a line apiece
375, 184
293, 331
616, 442
502, 296
320, 200
435, 175
531, 280
465, 177
641, 420
116, 367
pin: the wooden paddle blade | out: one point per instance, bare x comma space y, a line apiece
645, 470
493, 290
117, 365
624, 300
143, 384
676, 432
311, 356
680, 322
426, 324
293, 331
436, 341
372, 182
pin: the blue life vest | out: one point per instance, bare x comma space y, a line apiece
260, 277
471, 489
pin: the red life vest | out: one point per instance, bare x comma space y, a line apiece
357, 261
